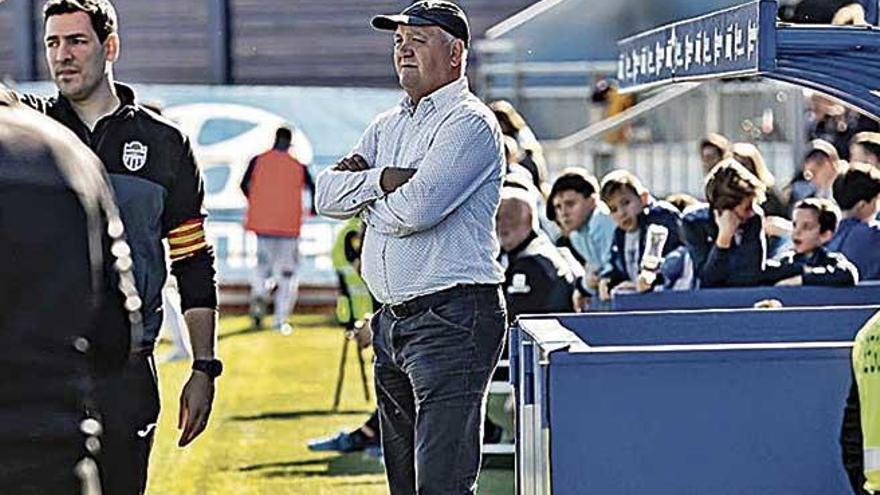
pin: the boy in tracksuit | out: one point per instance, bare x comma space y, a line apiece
857, 192
633, 210
726, 237
810, 263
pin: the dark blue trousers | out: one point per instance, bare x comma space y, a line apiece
432, 373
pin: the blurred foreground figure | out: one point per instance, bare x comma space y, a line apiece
161, 193
62, 313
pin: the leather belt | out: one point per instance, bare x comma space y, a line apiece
421, 303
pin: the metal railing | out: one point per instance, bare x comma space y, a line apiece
663, 140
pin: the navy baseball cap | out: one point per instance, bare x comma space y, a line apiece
445, 15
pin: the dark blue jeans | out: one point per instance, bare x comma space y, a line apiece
432, 374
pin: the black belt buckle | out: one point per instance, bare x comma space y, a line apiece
398, 311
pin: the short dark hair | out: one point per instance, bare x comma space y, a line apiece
822, 149
620, 180
868, 140
729, 183
827, 212
871, 147
572, 179
860, 181
101, 12
817, 155
283, 133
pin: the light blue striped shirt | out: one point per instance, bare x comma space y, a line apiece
437, 230
594, 238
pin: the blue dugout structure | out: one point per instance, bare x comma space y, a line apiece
744, 41
863, 294
728, 402
723, 401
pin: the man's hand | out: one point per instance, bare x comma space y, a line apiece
363, 333
795, 281
604, 289
645, 281
195, 407
353, 163
853, 13
625, 286
393, 177
198, 393
580, 303
727, 222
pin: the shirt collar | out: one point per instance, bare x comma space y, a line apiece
440, 98
123, 92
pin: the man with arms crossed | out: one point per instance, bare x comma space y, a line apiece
425, 177
160, 193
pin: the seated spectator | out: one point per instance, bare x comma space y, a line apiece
865, 148
531, 153
537, 278
726, 237
713, 148
857, 192
523, 177
829, 120
748, 155
574, 204
809, 263
821, 166
633, 210
777, 226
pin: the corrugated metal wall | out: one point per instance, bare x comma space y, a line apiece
7, 58
162, 41
295, 42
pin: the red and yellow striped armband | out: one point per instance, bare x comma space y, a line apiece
186, 239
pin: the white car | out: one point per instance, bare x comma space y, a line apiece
224, 138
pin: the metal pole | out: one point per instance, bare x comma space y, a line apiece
24, 41
363, 373
341, 376
220, 39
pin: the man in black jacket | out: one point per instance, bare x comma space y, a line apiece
62, 299
160, 192
537, 277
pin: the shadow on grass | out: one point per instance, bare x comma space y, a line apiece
236, 333
302, 325
287, 415
341, 465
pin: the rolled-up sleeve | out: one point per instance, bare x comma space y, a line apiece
342, 195
464, 155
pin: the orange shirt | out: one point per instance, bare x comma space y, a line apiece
275, 195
